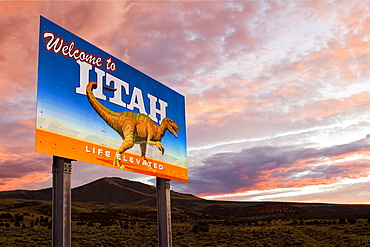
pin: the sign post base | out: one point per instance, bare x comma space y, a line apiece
164, 213
61, 202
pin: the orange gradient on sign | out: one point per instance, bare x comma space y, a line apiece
53, 143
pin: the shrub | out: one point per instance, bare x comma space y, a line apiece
18, 217
6, 216
342, 221
200, 227
352, 221
294, 223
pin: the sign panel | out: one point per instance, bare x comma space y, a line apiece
94, 108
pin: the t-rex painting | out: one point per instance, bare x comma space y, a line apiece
134, 128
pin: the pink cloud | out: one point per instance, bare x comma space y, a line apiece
271, 167
326, 108
19, 170
28, 181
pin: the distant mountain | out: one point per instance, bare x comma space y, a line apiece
133, 194
44, 194
121, 191
104, 191
115, 190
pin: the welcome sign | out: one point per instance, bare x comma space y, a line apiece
95, 108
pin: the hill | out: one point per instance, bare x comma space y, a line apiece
119, 212
106, 191
137, 195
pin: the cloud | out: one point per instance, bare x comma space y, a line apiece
29, 181
289, 78
270, 167
24, 171
18, 167
348, 191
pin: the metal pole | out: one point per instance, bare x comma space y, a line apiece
164, 213
61, 211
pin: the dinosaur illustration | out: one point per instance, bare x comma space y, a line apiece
134, 128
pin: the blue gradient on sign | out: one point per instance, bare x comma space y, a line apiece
57, 98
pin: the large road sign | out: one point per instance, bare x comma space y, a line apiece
94, 108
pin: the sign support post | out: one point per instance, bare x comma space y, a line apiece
164, 213
61, 202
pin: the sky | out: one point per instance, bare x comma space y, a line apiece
277, 92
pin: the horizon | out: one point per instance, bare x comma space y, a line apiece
208, 199
277, 93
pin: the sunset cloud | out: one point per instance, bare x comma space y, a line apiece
269, 167
25, 182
